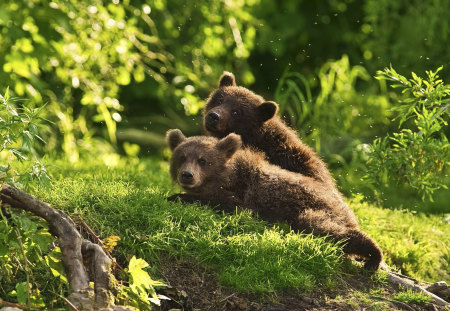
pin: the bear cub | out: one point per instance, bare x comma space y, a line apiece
235, 109
219, 172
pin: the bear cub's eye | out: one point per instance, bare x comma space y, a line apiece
182, 158
235, 113
201, 161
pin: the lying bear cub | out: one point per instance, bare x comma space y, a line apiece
219, 172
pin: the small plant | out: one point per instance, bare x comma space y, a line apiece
418, 155
19, 129
141, 289
410, 296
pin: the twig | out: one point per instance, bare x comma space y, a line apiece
228, 297
393, 301
25, 260
97, 240
68, 303
4, 303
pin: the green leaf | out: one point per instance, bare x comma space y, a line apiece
21, 290
54, 262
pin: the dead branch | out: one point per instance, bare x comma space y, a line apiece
4, 303
97, 239
74, 250
400, 280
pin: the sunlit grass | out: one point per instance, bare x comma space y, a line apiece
410, 296
416, 243
247, 254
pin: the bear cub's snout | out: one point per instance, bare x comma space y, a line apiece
211, 120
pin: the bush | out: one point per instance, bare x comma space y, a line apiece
418, 155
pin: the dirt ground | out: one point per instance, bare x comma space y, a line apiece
195, 288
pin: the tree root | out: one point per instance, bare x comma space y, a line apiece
74, 251
406, 282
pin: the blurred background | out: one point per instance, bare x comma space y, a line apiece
113, 76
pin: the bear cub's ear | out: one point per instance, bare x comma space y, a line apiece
267, 110
227, 79
229, 144
174, 138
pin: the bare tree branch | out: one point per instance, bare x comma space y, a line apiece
74, 252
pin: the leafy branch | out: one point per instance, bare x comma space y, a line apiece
417, 155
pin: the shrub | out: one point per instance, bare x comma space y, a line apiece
418, 155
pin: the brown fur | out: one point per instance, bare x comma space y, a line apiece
235, 109
225, 175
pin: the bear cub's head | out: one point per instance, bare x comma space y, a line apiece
235, 109
199, 160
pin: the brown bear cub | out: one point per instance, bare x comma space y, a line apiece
235, 109
220, 173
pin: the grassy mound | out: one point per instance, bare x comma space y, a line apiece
246, 253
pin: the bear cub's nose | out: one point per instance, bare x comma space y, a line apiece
187, 176
212, 117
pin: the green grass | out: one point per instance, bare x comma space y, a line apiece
247, 254
410, 296
416, 243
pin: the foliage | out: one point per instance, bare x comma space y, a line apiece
26, 258
31, 270
418, 155
32, 273
336, 110
91, 68
29, 264
140, 292
409, 34
410, 296
205, 38
19, 128
68, 54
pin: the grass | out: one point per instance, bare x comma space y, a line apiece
247, 254
410, 296
417, 244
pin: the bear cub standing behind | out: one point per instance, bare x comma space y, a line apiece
235, 109
220, 173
